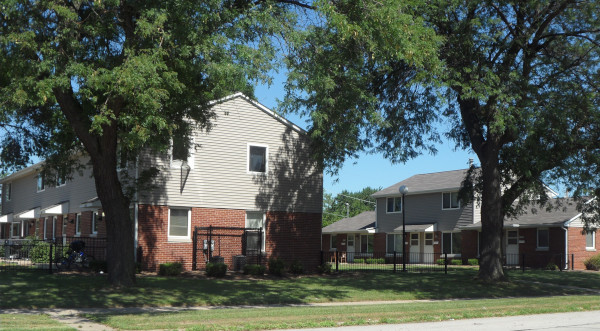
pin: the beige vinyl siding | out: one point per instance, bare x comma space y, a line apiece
220, 177
577, 223
424, 208
78, 189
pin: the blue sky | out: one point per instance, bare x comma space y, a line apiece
372, 169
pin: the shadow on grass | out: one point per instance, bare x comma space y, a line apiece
36, 290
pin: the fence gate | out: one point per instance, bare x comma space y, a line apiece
233, 246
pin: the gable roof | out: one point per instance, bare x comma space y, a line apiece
423, 183
358, 223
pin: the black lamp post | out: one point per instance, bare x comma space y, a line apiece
403, 190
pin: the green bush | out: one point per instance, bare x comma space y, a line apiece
440, 261
276, 266
359, 260
551, 266
324, 268
375, 261
170, 269
593, 263
98, 266
455, 262
216, 269
39, 252
254, 269
472, 262
296, 267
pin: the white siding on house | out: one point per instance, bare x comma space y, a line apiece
220, 177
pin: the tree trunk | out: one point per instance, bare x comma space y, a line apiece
119, 226
492, 218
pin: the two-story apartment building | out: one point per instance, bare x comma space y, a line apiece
437, 222
251, 170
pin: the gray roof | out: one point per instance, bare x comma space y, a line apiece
536, 216
358, 223
422, 183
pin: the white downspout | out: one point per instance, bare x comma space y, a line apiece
566, 247
135, 212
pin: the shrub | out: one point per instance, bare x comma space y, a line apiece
296, 267
276, 266
472, 262
593, 263
324, 268
170, 269
375, 261
440, 261
359, 260
39, 252
551, 266
97, 266
455, 262
216, 269
254, 269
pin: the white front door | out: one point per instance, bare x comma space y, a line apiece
512, 247
414, 248
350, 247
428, 248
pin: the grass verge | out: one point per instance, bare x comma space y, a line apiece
305, 317
15, 322
39, 290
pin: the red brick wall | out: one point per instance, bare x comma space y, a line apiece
289, 236
577, 247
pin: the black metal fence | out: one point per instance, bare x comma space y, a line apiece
231, 245
429, 262
64, 253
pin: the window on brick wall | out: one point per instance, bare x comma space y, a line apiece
255, 220
543, 239
451, 242
179, 223
394, 243
78, 224
590, 240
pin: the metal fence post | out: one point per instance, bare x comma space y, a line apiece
195, 248
572, 261
394, 261
446, 263
50, 259
523, 262
337, 261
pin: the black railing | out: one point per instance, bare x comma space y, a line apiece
51, 255
541, 260
393, 261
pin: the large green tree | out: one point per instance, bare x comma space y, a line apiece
347, 204
514, 81
109, 78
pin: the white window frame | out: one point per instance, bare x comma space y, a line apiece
8, 191
395, 237
19, 229
264, 227
248, 159
95, 215
78, 225
451, 233
593, 247
186, 238
451, 193
45, 227
537, 239
177, 163
41, 186
332, 242
394, 203
54, 218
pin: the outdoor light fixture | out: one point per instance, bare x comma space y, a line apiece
403, 190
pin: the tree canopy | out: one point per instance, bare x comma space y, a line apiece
516, 82
347, 204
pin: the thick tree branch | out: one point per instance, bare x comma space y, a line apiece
73, 111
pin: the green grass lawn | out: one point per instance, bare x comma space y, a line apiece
15, 322
40, 290
304, 317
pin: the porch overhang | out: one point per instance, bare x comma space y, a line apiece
430, 227
58, 209
6, 218
29, 214
93, 203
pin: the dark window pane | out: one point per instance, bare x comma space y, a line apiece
257, 159
446, 200
390, 243
398, 204
456, 242
543, 239
447, 243
390, 205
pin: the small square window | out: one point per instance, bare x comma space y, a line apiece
61, 179
394, 205
179, 223
590, 240
257, 158
451, 242
450, 200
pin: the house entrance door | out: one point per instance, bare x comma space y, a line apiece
350, 247
428, 248
512, 247
414, 248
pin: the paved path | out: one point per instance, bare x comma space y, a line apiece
589, 320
